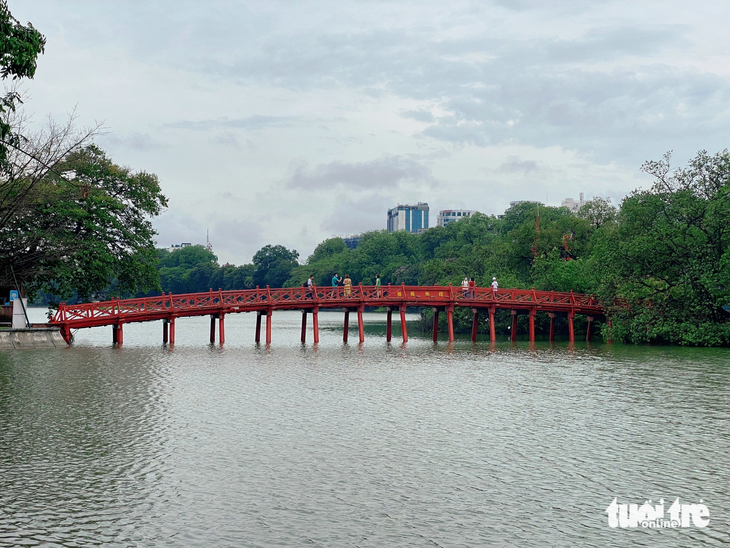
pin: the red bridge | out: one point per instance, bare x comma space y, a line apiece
218, 304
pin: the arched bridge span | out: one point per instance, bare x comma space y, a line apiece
264, 302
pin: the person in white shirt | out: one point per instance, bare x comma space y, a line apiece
465, 285
495, 285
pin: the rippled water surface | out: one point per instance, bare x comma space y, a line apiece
348, 445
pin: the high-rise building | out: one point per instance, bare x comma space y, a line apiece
447, 216
413, 218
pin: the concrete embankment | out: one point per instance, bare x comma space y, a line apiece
38, 337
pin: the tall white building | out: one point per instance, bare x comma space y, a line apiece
447, 216
412, 218
572, 205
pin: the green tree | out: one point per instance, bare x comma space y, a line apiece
598, 211
87, 230
669, 254
328, 248
20, 46
187, 256
274, 265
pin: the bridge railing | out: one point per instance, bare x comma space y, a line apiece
297, 297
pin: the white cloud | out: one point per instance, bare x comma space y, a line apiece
280, 122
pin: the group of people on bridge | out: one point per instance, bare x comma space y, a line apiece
468, 287
345, 283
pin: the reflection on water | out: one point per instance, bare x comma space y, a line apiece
349, 445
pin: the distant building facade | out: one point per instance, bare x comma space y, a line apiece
447, 216
412, 218
572, 205
175, 247
352, 240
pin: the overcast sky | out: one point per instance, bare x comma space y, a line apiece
289, 122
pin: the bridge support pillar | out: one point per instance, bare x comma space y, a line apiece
346, 326
492, 328
589, 331
315, 324
165, 326
513, 335
532, 325
474, 324
115, 334
435, 325
172, 332
304, 326
450, 321
268, 326
212, 328
360, 326
403, 327
552, 326
389, 324
221, 328
571, 329
258, 327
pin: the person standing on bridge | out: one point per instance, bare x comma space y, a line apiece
335, 283
472, 291
495, 285
378, 289
310, 287
465, 286
348, 285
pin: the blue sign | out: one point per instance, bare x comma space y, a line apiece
13, 295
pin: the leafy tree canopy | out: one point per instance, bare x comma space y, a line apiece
87, 229
274, 264
670, 254
20, 46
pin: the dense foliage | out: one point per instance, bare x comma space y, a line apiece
87, 228
669, 254
20, 46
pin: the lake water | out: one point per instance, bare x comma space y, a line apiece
348, 445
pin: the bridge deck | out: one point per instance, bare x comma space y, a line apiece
219, 303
